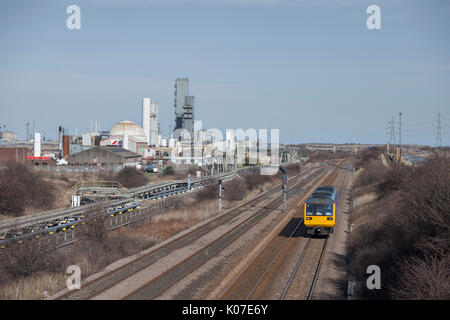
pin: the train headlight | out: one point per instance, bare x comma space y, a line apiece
330, 218
308, 218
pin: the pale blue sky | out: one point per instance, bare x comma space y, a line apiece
310, 68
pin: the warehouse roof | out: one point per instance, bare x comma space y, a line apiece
113, 149
121, 151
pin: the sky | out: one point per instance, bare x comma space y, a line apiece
310, 68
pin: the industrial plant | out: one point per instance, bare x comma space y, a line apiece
128, 143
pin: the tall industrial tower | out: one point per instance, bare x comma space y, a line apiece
150, 122
181, 91
184, 105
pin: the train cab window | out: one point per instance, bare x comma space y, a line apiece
313, 209
328, 209
317, 209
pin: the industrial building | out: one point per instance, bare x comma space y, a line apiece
18, 154
150, 122
105, 156
128, 135
184, 106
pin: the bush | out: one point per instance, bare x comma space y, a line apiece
94, 229
207, 193
27, 258
373, 172
255, 181
168, 170
235, 190
406, 232
393, 180
131, 177
20, 187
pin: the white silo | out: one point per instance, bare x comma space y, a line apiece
146, 118
37, 144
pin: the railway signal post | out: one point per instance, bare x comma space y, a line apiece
189, 182
220, 194
284, 188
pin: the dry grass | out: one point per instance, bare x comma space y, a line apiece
32, 287
188, 213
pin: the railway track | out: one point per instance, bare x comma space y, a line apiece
109, 280
257, 278
315, 247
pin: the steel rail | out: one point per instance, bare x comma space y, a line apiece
305, 249
179, 242
279, 251
322, 254
298, 262
276, 257
162, 282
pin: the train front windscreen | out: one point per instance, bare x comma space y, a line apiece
319, 209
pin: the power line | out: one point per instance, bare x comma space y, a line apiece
392, 131
400, 130
439, 130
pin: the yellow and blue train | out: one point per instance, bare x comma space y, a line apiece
320, 211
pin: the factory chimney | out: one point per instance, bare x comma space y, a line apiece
60, 142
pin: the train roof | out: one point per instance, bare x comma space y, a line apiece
326, 188
325, 194
324, 200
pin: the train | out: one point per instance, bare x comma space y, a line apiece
320, 211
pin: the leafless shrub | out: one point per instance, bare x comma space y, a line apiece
407, 234
235, 190
20, 187
373, 172
94, 228
366, 155
393, 180
131, 177
423, 279
255, 181
27, 258
208, 192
